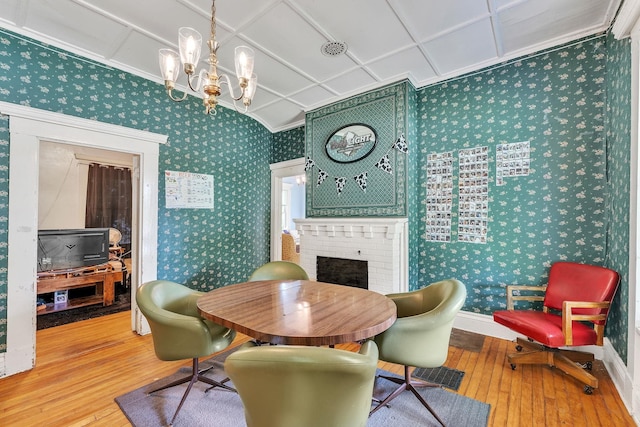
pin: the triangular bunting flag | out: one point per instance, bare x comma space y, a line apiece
309, 164
340, 182
401, 144
384, 164
322, 175
362, 181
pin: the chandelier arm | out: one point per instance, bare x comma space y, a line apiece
170, 93
225, 79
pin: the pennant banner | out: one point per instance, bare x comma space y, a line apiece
383, 164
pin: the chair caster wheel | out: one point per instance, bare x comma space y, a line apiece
518, 348
513, 367
588, 389
589, 366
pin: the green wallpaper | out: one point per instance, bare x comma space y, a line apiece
383, 110
555, 101
618, 135
201, 248
288, 145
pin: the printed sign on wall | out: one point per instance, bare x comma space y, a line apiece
188, 190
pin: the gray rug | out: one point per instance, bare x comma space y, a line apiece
446, 377
224, 409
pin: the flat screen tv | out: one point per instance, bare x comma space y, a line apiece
74, 248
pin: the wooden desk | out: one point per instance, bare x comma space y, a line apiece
300, 312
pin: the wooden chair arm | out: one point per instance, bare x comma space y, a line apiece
511, 298
568, 317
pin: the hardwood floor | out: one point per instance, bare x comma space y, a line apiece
82, 366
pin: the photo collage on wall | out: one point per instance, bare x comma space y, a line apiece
473, 194
512, 160
439, 196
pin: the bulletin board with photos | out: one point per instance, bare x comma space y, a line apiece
439, 196
473, 194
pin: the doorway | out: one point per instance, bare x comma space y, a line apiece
27, 127
83, 187
287, 200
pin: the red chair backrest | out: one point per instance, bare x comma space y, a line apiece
570, 281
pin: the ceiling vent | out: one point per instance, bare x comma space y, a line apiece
333, 48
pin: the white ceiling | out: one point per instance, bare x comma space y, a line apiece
425, 41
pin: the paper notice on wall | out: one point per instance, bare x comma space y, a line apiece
512, 160
473, 195
439, 197
188, 190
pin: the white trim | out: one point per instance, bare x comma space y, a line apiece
627, 18
621, 379
278, 171
27, 127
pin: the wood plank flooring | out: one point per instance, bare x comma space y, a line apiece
82, 366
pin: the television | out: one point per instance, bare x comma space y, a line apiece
72, 248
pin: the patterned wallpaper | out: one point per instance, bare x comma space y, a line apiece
618, 135
288, 145
384, 111
555, 101
201, 248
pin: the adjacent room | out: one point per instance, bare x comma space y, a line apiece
428, 209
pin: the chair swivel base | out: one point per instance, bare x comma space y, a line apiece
196, 375
570, 362
407, 384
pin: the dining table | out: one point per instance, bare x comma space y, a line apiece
299, 312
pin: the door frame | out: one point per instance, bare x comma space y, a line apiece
278, 172
28, 126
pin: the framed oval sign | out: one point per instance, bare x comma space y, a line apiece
351, 143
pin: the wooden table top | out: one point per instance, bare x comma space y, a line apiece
299, 312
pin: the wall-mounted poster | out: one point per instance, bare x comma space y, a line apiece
473, 195
512, 160
188, 190
439, 197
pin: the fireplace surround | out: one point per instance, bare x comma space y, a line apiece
382, 242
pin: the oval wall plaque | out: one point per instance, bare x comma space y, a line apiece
351, 143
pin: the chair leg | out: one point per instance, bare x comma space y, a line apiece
568, 361
407, 384
196, 375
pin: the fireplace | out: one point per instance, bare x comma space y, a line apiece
348, 272
381, 242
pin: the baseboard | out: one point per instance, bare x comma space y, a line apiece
622, 379
3, 368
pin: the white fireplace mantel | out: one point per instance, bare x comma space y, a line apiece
382, 242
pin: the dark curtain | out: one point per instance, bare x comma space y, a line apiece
109, 200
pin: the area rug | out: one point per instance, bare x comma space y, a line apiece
446, 377
224, 409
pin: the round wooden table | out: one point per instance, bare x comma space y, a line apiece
299, 312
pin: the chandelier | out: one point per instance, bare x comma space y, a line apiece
189, 43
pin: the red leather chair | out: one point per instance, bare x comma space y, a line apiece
575, 308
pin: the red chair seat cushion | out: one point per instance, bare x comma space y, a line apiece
545, 328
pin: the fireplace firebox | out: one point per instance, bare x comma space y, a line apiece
348, 272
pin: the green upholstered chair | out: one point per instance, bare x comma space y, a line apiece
279, 270
179, 332
294, 386
420, 335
